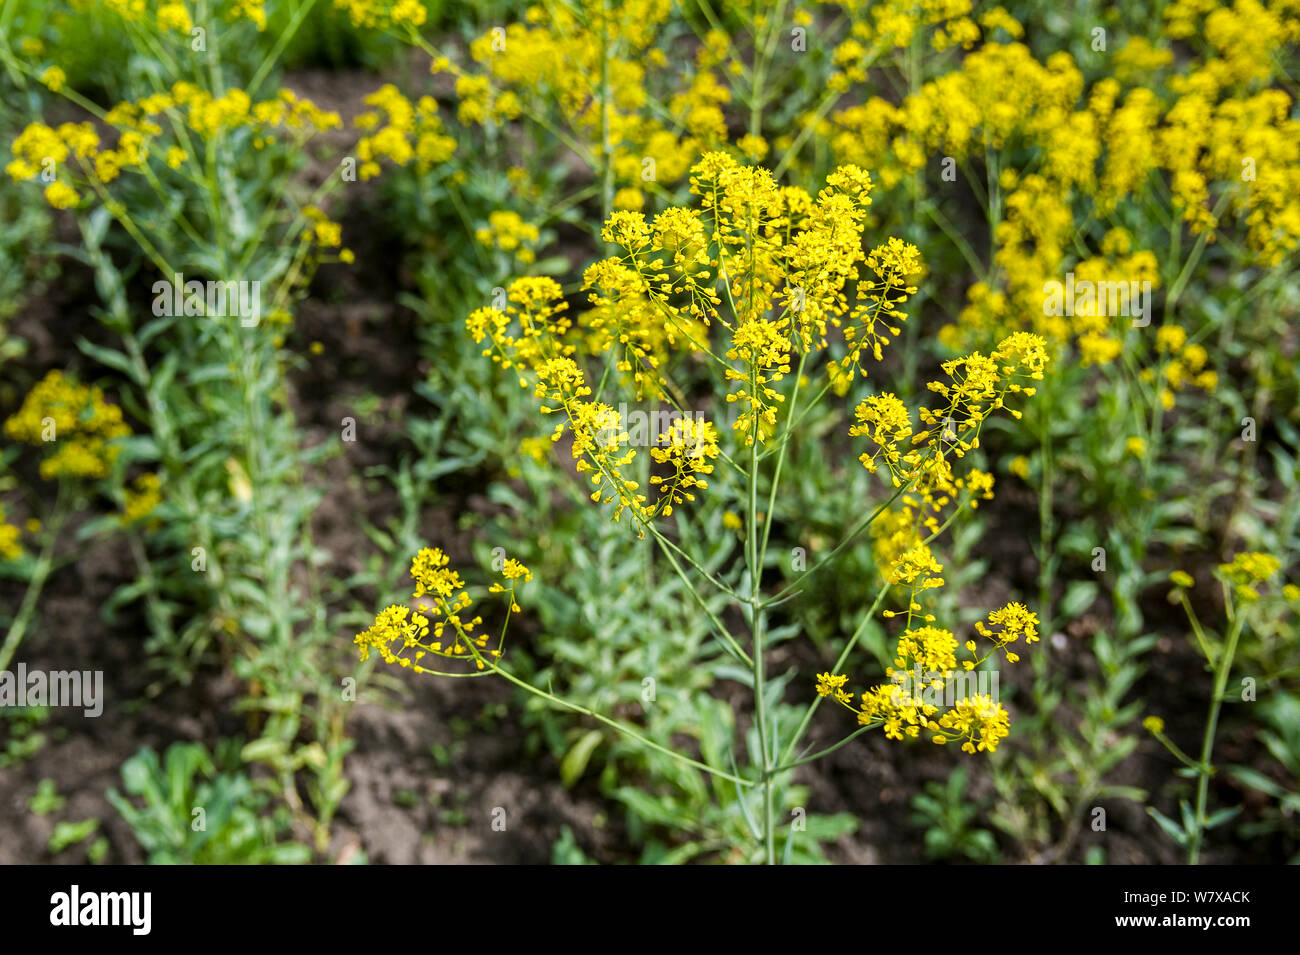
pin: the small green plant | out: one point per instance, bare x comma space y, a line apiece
566, 850
25, 737
199, 810
1280, 734
47, 799
70, 833
946, 815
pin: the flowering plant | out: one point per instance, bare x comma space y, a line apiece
736, 298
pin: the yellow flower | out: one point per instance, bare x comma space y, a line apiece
508, 232
1247, 569
828, 685
688, 448
10, 539
60, 195
174, 16
754, 148
54, 78
142, 498
75, 422
886, 420
442, 627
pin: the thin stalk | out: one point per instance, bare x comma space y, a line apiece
1207, 741
839, 664
616, 725
760, 677
44, 564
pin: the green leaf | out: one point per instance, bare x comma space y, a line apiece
264, 750
575, 760
1256, 780
1171, 828
1219, 818
1079, 596
107, 356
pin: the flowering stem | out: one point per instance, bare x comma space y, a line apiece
780, 457
1180, 283
44, 564
848, 539
606, 147
756, 614
1207, 741
273, 55
824, 752
616, 725
1046, 522
839, 665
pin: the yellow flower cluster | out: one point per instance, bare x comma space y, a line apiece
11, 547
1186, 364
174, 16
921, 462
786, 263
382, 14
324, 233
1212, 127
508, 232
41, 149
688, 448
878, 300
876, 27
1015, 622
142, 498
401, 131
528, 337
75, 421
582, 70
924, 680
442, 627
1247, 570
789, 267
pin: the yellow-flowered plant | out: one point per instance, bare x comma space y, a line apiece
178, 17
930, 693
208, 168
142, 498
80, 434
1242, 580
406, 639
401, 132
752, 280
74, 422
1168, 161
11, 538
508, 232
1225, 144
582, 71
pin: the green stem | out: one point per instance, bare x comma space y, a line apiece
44, 564
839, 665
616, 725
1207, 741
273, 54
845, 542
823, 752
760, 677
1046, 523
